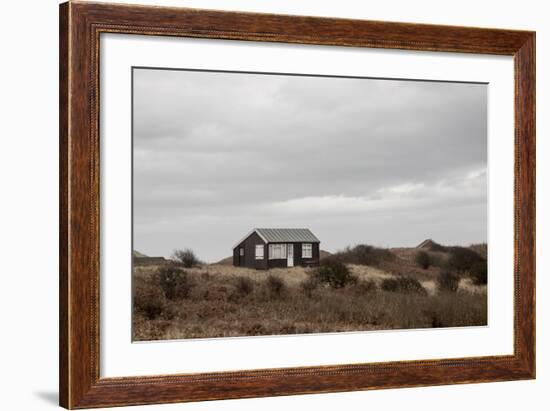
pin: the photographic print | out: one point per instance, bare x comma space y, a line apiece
276, 204
234, 184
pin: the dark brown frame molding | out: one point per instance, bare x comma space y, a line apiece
81, 24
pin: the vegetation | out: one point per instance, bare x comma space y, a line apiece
364, 287
258, 303
276, 287
149, 300
448, 282
403, 285
461, 259
244, 286
309, 285
360, 288
186, 257
471, 261
332, 272
422, 258
478, 272
174, 282
364, 254
481, 249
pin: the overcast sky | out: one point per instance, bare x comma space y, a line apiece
383, 162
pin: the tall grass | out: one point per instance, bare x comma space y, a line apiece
222, 306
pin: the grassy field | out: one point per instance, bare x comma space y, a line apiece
224, 301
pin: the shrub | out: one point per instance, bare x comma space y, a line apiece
174, 282
365, 287
334, 273
403, 285
422, 258
448, 282
309, 285
438, 260
462, 259
365, 255
148, 299
243, 287
187, 257
481, 249
275, 286
478, 272
390, 284
437, 247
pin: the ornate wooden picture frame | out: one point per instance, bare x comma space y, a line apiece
81, 24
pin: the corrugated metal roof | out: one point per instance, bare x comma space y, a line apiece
291, 235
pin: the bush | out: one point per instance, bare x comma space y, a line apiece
334, 273
243, 286
174, 282
365, 287
403, 285
478, 272
275, 286
481, 249
438, 260
364, 255
422, 258
148, 299
309, 285
462, 259
448, 282
187, 257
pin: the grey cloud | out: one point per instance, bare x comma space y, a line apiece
224, 152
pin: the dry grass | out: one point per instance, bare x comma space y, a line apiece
226, 301
292, 275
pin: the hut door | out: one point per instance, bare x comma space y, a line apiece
290, 255
241, 256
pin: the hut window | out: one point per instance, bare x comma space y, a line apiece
241, 251
307, 250
277, 251
259, 252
